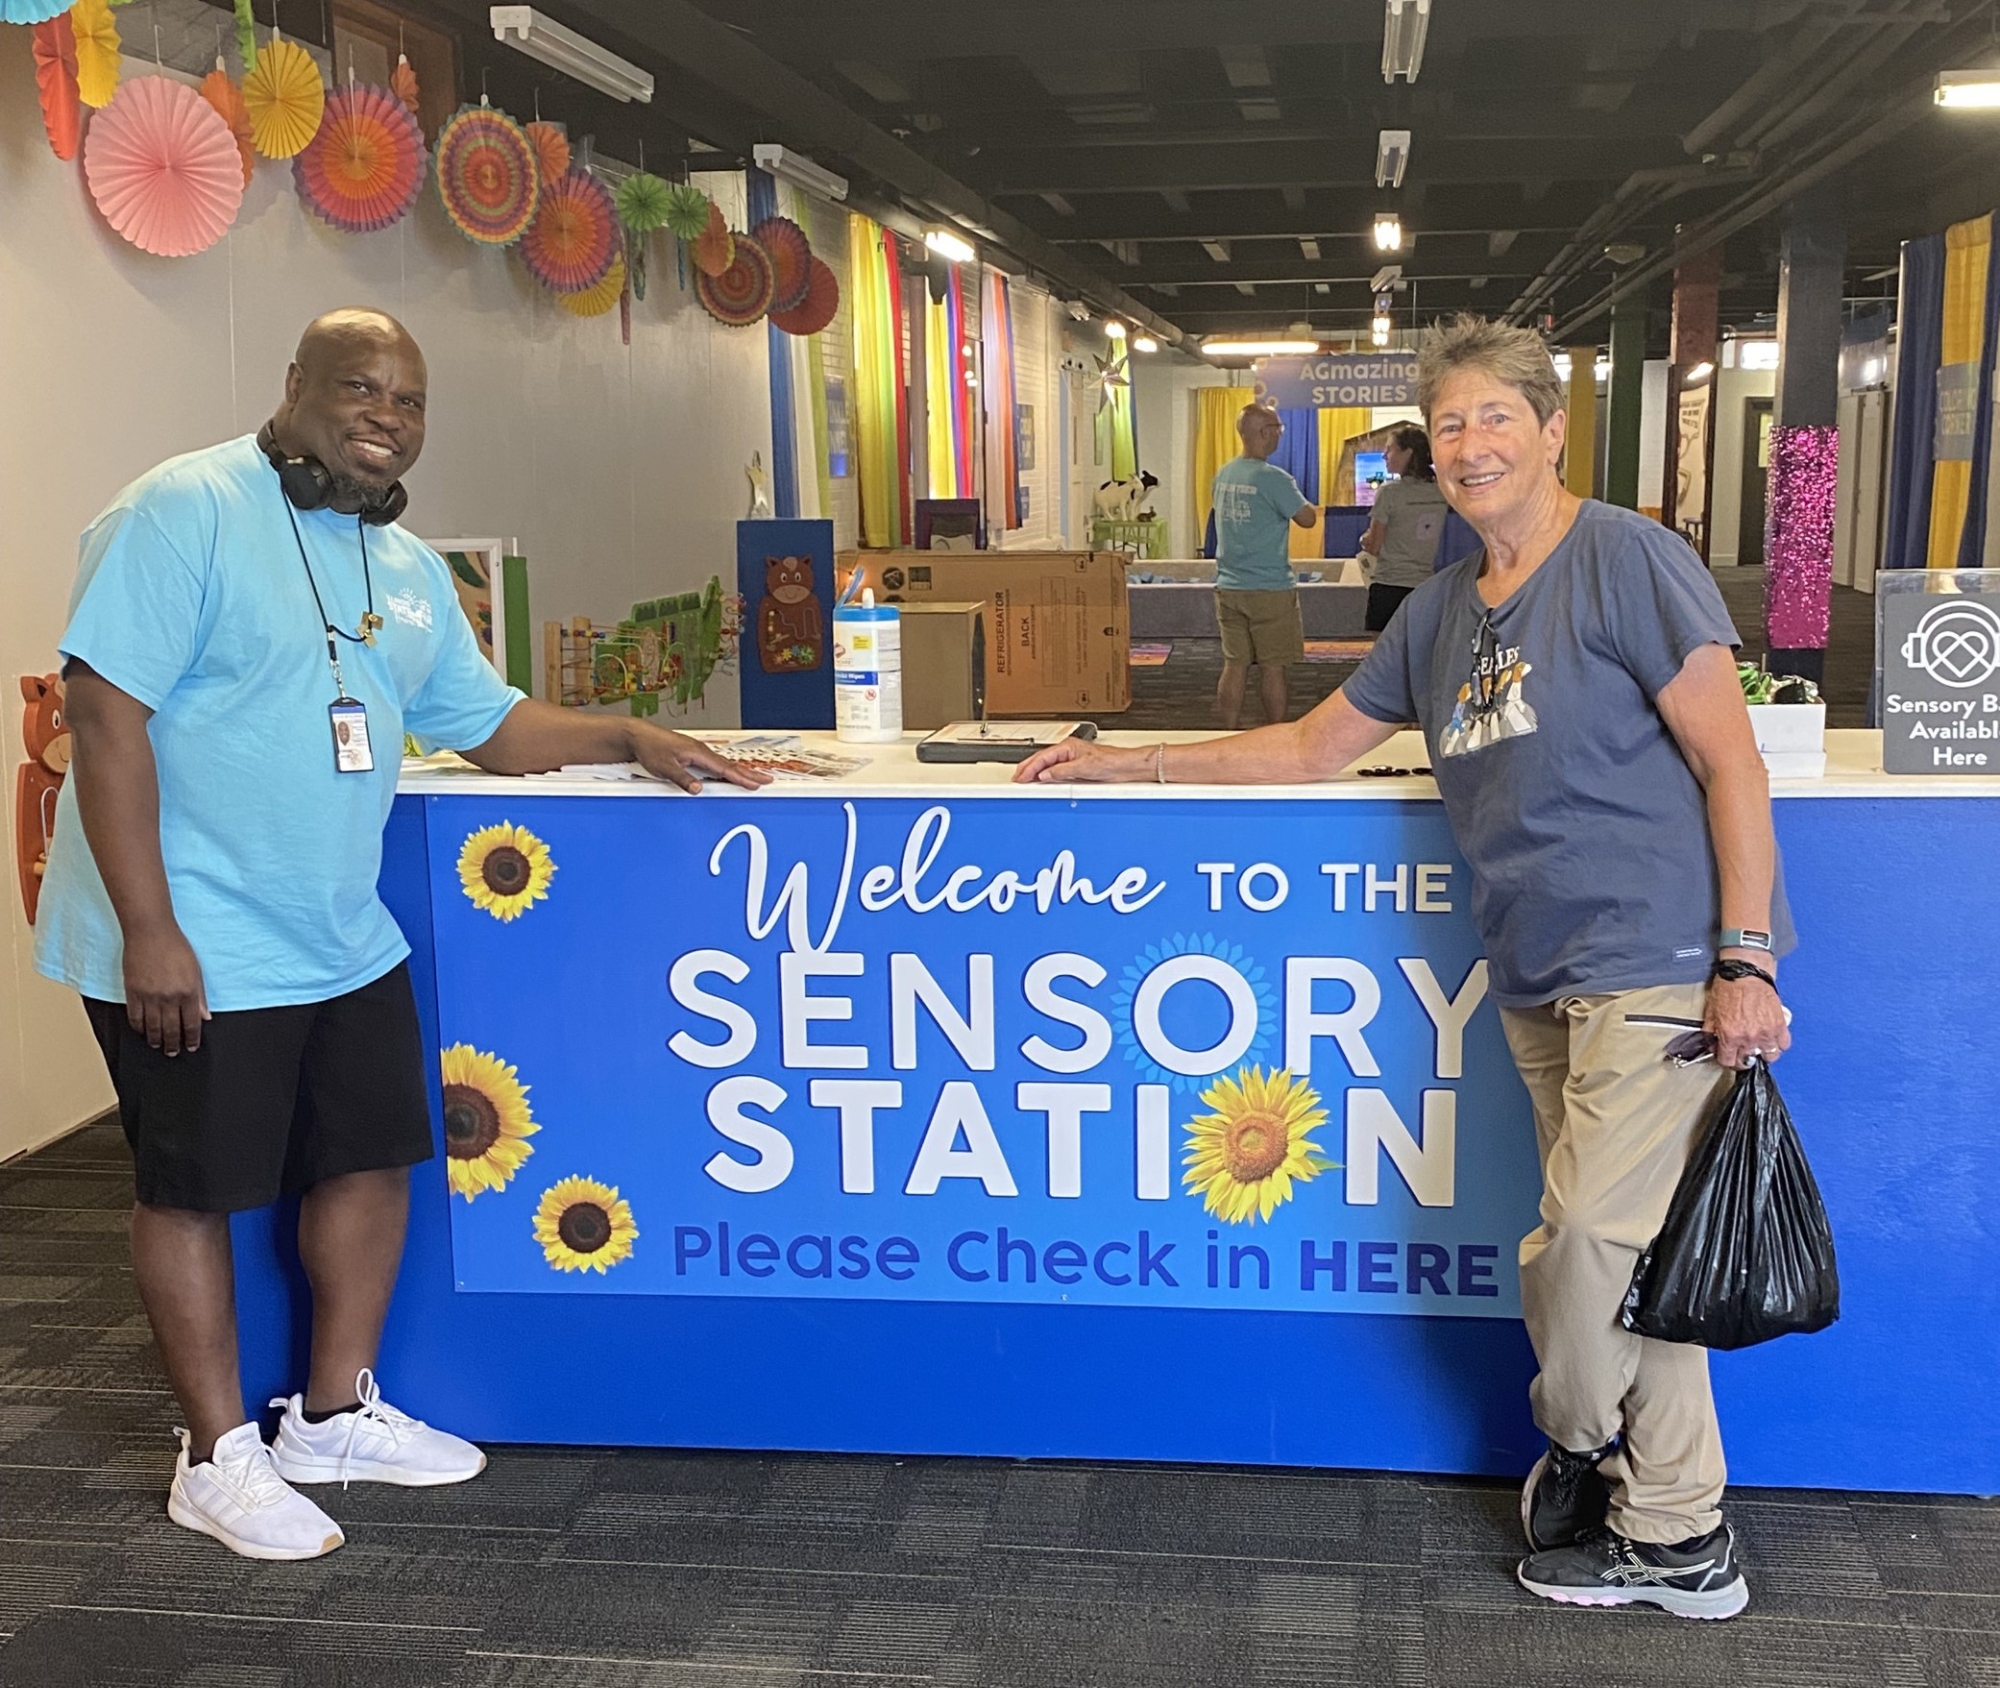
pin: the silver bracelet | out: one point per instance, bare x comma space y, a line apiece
1160, 764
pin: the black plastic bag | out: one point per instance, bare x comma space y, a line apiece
1745, 1254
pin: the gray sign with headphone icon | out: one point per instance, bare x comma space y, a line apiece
1940, 683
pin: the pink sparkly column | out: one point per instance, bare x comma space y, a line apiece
1798, 538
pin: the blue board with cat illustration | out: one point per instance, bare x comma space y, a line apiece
784, 569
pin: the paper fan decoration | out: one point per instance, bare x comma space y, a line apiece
487, 176
162, 167
714, 249
817, 308
551, 144
574, 237
97, 52
598, 299
642, 202
221, 92
687, 210
31, 11
403, 83
285, 98
246, 35
791, 259
55, 80
742, 293
363, 169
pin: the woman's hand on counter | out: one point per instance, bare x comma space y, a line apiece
681, 760
1082, 761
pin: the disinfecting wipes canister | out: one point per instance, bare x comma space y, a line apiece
868, 671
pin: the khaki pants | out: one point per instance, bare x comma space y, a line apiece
1615, 1122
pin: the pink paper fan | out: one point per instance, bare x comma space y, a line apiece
364, 167
162, 166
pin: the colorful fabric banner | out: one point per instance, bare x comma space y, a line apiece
1215, 441
1336, 428
1003, 478
874, 402
1968, 250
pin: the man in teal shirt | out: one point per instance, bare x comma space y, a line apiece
1256, 596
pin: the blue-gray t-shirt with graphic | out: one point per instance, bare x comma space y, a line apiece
1255, 502
1586, 831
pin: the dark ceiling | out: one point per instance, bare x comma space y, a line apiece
1214, 162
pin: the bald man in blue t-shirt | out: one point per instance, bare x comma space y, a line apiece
1256, 595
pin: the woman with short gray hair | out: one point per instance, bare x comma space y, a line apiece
1575, 680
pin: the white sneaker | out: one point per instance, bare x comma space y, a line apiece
373, 1444
236, 1497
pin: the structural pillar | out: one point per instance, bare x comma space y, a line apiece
1580, 455
1628, 377
1805, 441
1690, 418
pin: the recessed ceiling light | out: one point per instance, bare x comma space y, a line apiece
1388, 232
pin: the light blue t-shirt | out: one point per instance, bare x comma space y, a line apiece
1255, 502
190, 596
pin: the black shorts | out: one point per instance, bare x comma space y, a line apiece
274, 1101
1384, 601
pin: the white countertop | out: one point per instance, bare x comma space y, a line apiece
1853, 769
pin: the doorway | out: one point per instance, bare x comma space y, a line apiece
1756, 473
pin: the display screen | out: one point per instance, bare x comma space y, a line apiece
1371, 469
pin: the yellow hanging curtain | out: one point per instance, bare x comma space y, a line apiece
1215, 443
1968, 249
1336, 428
940, 399
872, 404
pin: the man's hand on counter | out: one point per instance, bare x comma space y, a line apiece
680, 760
535, 737
1079, 760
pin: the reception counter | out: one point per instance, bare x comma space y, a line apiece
914, 1111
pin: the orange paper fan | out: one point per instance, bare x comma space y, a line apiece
551, 144
221, 91
285, 98
714, 249
162, 166
403, 83
55, 80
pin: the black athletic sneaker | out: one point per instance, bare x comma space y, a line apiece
1694, 1579
1564, 1498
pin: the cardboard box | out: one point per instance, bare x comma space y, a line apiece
1058, 629
944, 663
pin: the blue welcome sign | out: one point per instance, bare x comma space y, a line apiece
1130, 1052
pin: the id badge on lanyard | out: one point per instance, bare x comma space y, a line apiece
349, 719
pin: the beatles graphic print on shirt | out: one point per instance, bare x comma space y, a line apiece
1492, 704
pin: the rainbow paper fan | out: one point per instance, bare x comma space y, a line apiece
285, 98
817, 308
221, 92
551, 144
574, 237
486, 175
687, 210
162, 167
642, 202
55, 82
791, 259
31, 11
97, 52
742, 293
597, 300
361, 172
403, 83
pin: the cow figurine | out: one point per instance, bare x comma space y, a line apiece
1121, 501
46, 734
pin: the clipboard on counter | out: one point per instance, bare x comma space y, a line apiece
998, 741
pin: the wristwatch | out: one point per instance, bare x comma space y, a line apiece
1744, 937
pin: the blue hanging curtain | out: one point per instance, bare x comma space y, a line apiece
1298, 451
1972, 536
763, 198
1920, 330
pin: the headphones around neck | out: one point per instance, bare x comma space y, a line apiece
308, 484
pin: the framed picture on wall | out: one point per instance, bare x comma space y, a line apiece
478, 574
1024, 437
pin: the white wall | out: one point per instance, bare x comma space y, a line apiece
1732, 387
619, 469
1163, 418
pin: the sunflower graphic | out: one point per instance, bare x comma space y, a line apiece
486, 1120
505, 869
1245, 1157
583, 1226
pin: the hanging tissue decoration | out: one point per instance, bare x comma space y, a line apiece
714, 249
363, 169
55, 82
285, 98
31, 11
246, 35
687, 210
486, 175
403, 83
574, 237
597, 299
97, 52
162, 166
742, 293
221, 91
642, 202
551, 144
791, 259
818, 308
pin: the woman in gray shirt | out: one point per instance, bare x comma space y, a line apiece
1409, 520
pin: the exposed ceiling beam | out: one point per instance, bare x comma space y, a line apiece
1056, 203
1246, 67
1217, 249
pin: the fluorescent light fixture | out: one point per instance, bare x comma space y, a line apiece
799, 170
1114, 329
1968, 90
949, 246
541, 37
1405, 24
1144, 343
1225, 348
1386, 279
1388, 232
1392, 157
1756, 354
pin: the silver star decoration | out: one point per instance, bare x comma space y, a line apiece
1110, 373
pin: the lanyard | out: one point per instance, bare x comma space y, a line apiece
370, 621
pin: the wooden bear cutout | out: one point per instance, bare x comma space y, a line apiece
45, 731
790, 631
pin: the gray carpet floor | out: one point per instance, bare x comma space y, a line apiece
648, 1569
